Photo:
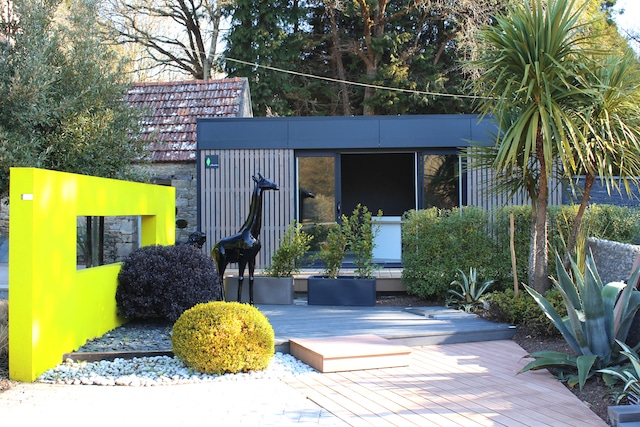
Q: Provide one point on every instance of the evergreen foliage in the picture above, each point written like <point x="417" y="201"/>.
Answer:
<point x="264" y="32"/>
<point x="504" y="307"/>
<point x="223" y="337"/>
<point x="61" y="93"/>
<point x="436" y="243"/>
<point x="407" y="45"/>
<point x="164" y="281"/>
<point x="292" y="247"/>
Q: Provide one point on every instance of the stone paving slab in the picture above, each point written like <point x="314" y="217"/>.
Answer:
<point x="248" y="403"/>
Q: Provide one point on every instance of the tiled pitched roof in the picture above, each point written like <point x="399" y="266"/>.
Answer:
<point x="171" y="126"/>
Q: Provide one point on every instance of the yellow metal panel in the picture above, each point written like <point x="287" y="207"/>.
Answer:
<point x="56" y="308"/>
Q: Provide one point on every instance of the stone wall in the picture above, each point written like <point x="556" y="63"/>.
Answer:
<point x="614" y="260"/>
<point x="120" y="238"/>
<point x="4" y="217"/>
<point x="183" y="177"/>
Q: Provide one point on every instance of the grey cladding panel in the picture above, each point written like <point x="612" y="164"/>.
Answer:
<point x="343" y="132"/>
<point x="485" y="131"/>
<point x="334" y="132"/>
<point x="241" y="133"/>
<point x="436" y="131"/>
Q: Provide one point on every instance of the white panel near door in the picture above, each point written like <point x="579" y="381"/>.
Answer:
<point x="388" y="241"/>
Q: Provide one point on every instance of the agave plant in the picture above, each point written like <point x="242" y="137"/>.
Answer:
<point x="470" y="295"/>
<point x="597" y="316"/>
<point x="629" y="374"/>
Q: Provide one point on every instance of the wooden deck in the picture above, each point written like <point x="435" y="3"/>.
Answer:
<point x="471" y="384"/>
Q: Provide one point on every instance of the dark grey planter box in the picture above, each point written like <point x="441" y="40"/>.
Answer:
<point x="341" y="291"/>
<point x="624" y="414"/>
<point x="266" y="290"/>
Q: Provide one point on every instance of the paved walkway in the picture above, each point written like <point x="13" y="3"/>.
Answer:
<point x="464" y="384"/>
<point x="458" y="384"/>
<point x="472" y="384"/>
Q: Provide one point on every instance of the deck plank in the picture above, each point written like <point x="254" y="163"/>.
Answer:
<point x="472" y="384"/>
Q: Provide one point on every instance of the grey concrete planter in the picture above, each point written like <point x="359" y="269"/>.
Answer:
<point x="266" y="290"/>
<point x="624" y="415"/>
<point x="341" y="291"/>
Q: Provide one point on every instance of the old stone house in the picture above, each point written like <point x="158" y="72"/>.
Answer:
<point x="170" y="129"/>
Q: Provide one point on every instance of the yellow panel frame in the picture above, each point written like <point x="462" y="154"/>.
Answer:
<point x="54" y="307"/>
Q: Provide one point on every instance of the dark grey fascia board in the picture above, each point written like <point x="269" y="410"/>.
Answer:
<point x="340" y="132"/>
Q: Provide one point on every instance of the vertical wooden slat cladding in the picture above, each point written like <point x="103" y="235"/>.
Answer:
<point x="226" y="195"/>
<point x="479" y="181"/>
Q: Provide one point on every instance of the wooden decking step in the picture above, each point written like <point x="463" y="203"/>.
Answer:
<point x="349" y="353"/>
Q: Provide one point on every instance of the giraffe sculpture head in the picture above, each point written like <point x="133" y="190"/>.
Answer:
<point x="265" y="183"/>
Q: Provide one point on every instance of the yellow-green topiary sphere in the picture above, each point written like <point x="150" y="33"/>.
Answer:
<point x="223" y="337"/>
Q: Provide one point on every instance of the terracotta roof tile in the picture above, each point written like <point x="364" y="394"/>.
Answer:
<point x="171" y="126"/>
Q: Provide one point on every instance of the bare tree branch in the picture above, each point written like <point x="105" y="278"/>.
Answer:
<point x="179" y="34"/>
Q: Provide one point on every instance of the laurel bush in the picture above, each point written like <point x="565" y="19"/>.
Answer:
<point x="504" y="307"/>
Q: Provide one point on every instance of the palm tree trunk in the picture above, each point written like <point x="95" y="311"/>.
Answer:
<point x="540" y="260"/>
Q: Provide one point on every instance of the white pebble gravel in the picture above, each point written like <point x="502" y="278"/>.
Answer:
<point x="160" y="370"/>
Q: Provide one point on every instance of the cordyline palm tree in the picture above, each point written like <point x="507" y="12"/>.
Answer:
<point x="532" y="79"/>
<point x="610" y="125"/>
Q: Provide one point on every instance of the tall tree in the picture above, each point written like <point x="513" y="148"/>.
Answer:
<point x="182" y="35"/>
<point x="531" y="71"/>
<point x="609" y="146"/>
<point x="265" y="33"/>
<point x="62" y="94"/>
<point x="356" y="47"/>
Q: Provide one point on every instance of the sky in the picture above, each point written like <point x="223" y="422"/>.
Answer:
<point x="630" y="20"/>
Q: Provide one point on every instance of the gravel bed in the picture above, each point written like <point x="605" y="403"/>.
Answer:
<point x="152" y="371"/>
<point x="136" y="335"/>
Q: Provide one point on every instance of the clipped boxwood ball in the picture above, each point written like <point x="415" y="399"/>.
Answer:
<point x="223" y="337"/>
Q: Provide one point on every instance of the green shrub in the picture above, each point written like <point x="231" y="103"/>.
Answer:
<point x="292" y="247"/>
<point x="616" y="223"/>
<point x="164" y="281"/>
<point x="223" y="337"/>
<point x="504" y="307"/>
<point x="436" y="243"/>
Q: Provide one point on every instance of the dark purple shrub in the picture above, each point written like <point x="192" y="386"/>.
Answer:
<point x="164" y="281"/>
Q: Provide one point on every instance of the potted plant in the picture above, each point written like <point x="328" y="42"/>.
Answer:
<point x="354" y="234"/>
<point x="276" y="285"/>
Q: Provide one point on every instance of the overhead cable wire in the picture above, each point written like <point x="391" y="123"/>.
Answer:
<point x="330" y="79"/>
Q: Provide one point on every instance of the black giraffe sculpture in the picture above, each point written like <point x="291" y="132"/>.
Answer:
<point x="243" y="246"/>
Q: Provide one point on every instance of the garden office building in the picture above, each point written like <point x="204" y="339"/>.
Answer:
<point x="325" y="166"/>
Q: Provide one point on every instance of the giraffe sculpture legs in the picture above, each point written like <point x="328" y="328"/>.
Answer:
<point x="241" y="268"/>
<point x="252" y="265"/>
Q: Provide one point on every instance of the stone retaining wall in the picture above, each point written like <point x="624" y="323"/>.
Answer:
<point x="181" y="176"/>
<point x="614" y="260"/>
